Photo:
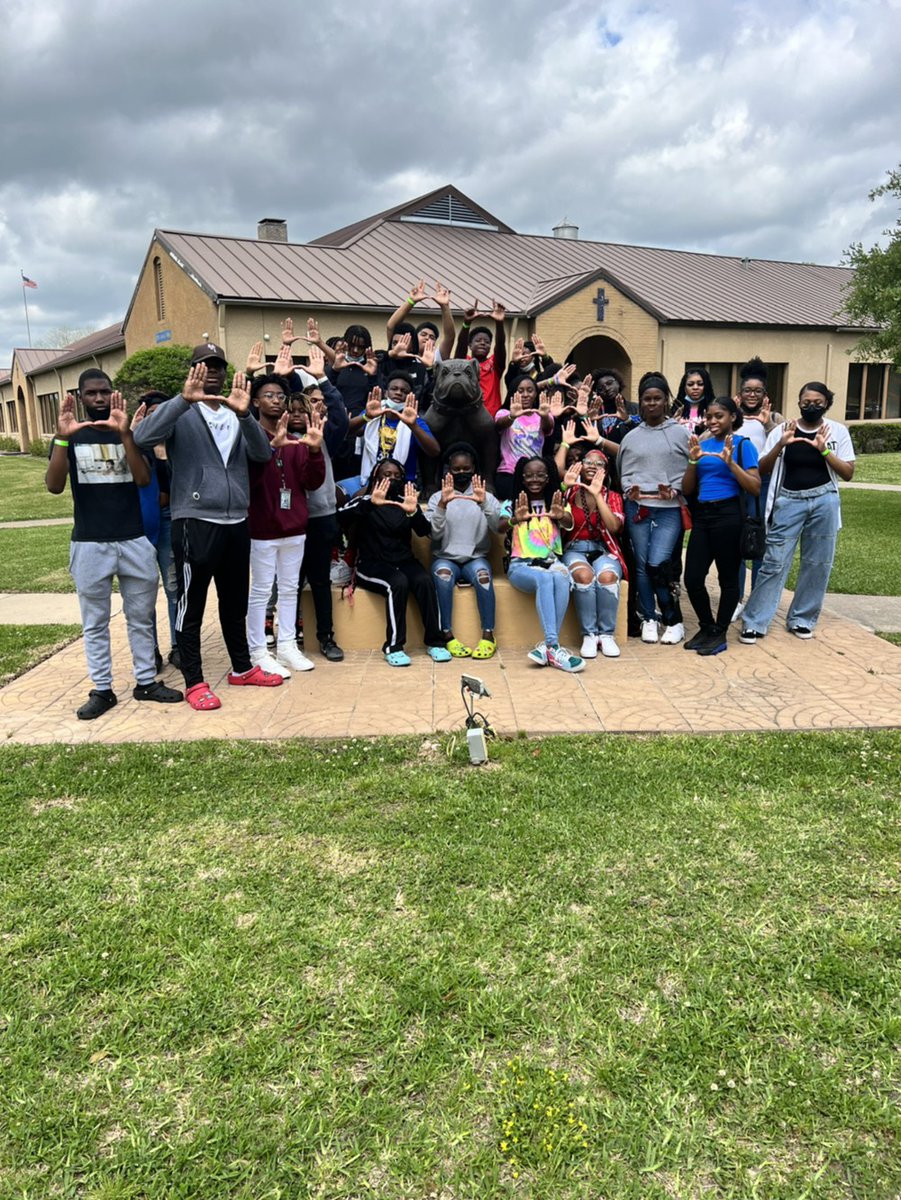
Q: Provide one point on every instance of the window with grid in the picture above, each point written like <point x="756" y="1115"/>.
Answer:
<point x="874" y="393"/>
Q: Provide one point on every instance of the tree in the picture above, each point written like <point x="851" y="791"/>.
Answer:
<point x="873" y="297"/>
<point x="63" y="336"/>
<point x="162" y="369"/>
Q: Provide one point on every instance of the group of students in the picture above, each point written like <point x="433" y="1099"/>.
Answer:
<point x="301" y="472"/>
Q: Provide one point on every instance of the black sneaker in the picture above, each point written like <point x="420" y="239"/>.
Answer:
<point x="157" y="691"/>
<point x="175" y="657"/>
<point x="714" y="643"/>
<point x="801" y="631"/>
<point x="750" y="637"/>
<point x="97" y="704"/>
<point x="331" y="650"/>
<point x="699" y="638"/>
<point x="270" y="630"/>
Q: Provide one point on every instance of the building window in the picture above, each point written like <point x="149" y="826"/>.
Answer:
<point x="48" y="411"/>
<point x="158" y="290"/>
<point x="726" y="379"/>
<point x="874" y="393"/>
<point x="13" y="416"/>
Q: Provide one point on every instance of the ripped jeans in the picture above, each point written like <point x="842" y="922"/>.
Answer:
<point x="597" y="604"/>
<point x="445" y="588"/>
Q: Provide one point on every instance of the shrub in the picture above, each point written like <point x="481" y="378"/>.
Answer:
<point x="874" y="437"/>
<point x="11" y="444"/>
<point x="38" y="448"/>
<point x="162" y="369"/>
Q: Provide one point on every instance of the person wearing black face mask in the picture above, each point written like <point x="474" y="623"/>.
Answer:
<point x="805" y="459"/>
<point x="382" y="519"/>
<point x="462" y="516"/>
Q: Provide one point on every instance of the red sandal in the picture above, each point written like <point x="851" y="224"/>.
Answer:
<point x="201" y="698"/>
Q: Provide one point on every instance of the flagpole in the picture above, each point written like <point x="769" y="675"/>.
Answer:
<point x="25" y="302"/>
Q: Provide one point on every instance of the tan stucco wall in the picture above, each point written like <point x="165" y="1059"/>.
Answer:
<point x="810" y="355"/>
<point x="189" y="311"/>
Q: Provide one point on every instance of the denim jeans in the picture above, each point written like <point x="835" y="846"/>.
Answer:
<point x="652" y="541"/>
<point x="550" y="587"/>
<point x="811" y="517"/>
<point x="596" y="603"/>
<point x="470" y="572"/>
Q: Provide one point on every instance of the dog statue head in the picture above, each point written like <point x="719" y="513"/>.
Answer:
<point x="456" y="384"/>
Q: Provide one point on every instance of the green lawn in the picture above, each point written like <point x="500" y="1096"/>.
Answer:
<point x="22" y="646"/>
<point x="599" y="967"/>
<point x="878" y="468"/>
<point x="868" y="558"/>
<point x="35" y="560"/>
<point x="23" y="496"/>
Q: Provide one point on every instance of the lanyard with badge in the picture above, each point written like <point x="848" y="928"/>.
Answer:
<point x="284" y="492"/>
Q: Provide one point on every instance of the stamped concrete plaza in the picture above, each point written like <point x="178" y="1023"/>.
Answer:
<point x="846" y="678"/>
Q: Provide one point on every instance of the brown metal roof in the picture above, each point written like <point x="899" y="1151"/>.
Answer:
<point x="33" y="362"/>
<point x="350" y="233"/>
<point x="526" y="272"/>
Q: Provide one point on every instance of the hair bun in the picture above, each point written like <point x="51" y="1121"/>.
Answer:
<point x="754" y="368"/>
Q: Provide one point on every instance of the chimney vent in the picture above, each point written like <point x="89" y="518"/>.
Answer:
<point x="567" y="230"/>
<point x="272" y="229"/>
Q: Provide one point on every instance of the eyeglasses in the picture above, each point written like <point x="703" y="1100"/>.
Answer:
<point x="271" y="396"/>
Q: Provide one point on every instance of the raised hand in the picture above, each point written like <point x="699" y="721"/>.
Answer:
<point x="519" y="350"/>
<point x="521" y="510"/>
<point x="565" y="373"/>
<point x="417" y="291"/>
<point x="573" y="475"/>
<point x="379" y="493"/>
<point x="289" y="337"/>
<point x="726" y="452"/>
<point x="315" y="431"/>
<point x="401" y="348"/>
<point x="370" y="365"/>
<point x="140" y="414"/>
<point x="118" y="417"/>
<point x="598" y="481"/>
<point x="582" y="401"/>
<point x="820" y="439"/>
<point x="569" y="433"/>
<point x="428" y="355"/>
<point x="410" y="501"/>
<point x="515" y="406"/>
<point x="622" y="412"/>
<point x="280" y="437"/>
<point x="544" y="403"/>
<point x="471" y="314"/>
<point x="374" y="404"/>
<point x="341" y="361"/>
<point x="498" y="311"/>
<point x="255" y="359"/>
<point x="478" y="489"/>
<point x="447" y="490"/>
<point x="538" y="344"/>
<point x="695" y="453"/>
<point x="788" y="434"/>
<point x="592" y="433"/>
<point x="194" y="385"/>
<point x="238" y="399"/>
<point x="557" y="510"/>
<point x="558" y="408"/>
<point x="284" y="361"/>
<point x="313" y="336"/>
<point x="316" y="365"/>
<point x="411" y="410"/>
<point x="442" y="296"/>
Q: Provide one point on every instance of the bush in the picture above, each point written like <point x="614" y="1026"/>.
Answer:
<point x="12" y="444"/>
<point x="39" y="448"/>
<point x="162" y="369"/>
<point x="874" y="437"/>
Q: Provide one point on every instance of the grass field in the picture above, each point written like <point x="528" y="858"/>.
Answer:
<point x="868" y="558"/>
<point x="23" y="496"/>
<point x="878" y="468"/>
<point x="22" y="646"/>
<point x="600" y="967"/>
<point x="35" y="560"/>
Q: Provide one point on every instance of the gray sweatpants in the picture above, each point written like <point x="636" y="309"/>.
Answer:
<point x="92" y="566"/>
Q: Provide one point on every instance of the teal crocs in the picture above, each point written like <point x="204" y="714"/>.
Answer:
<point x="397" y="658"/>
<point x="439" y="654"/>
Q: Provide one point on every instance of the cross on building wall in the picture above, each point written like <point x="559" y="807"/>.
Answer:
<point x="601" y="302"/>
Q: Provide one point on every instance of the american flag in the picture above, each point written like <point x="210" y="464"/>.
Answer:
<point x="26" y="282"/>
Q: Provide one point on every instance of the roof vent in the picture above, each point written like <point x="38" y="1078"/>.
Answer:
<point x="448" y="210"/>
<point x="567" y="230"/>
<point x="272" y="229"/>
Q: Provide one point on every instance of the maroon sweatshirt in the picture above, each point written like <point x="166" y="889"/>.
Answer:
<point x="300" y="471"/>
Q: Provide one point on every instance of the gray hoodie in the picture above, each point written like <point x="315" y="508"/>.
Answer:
<point x="202" y="485"/>
<point x="654" y="454"/>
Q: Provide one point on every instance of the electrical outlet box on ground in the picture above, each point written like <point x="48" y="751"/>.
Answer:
<point x="478" y="748"/>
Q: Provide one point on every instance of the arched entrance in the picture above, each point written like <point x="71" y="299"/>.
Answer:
<point x="600" y="351"/>
<point x="23" y="418"/>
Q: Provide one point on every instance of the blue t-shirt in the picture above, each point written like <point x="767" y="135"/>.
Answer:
<point x="715" y="479"/>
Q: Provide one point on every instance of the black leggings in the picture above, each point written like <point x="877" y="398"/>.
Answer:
<point x="395" y="581"/>
<point x="715" y="538"/>
<point x="322" y="534"/>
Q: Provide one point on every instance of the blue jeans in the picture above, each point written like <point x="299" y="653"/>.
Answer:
<point x="550" y="587"/>
<point x="811" y="517"/>
<point x="596" y="603"/>
<point x="652" y="540"/>
<point x="445" y="589"/>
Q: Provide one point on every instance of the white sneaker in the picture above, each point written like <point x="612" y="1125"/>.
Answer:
<point x="560" y="657"/>
<point x="339" y="573"/>
<point x="589" y="646"/>
<point x="739" y="609"/>
<point x="673" y="635"/>
<point x="289" y="656"/>
<point x="649" y="631"/>
<point x="608" y="646"/>
<point x="260" y="657"/>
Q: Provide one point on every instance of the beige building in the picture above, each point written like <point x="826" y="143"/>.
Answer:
<point x="635" y="308"/>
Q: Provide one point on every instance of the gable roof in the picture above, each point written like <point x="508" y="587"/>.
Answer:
<point x="444" y="206"/>
<point x="33" y="362"/>
<point x="369" y="265"/>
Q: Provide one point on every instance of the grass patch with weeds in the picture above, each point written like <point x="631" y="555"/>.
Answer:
<point x="878" y="468"/>
<point x="35" y="560"/>
<point x="894" y="638"/>
<point x="23" y="496"/>
<point x="23" y="646"/>
<point x="248" y="970"/>
<point x="868" y="556"/>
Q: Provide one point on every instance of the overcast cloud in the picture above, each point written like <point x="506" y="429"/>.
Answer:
<point x="755" y="128"/>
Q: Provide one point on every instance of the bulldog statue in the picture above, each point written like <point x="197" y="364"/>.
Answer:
<point x="456" y="414"/>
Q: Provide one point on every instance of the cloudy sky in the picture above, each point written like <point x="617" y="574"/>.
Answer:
<point x="753" y="128"/>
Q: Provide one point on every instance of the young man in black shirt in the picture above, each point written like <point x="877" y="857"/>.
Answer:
<point x="105" y="469"/>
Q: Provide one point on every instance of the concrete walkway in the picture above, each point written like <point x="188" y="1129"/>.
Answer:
<point x="846" y="678"/>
